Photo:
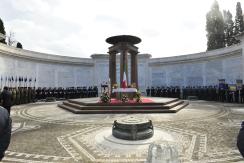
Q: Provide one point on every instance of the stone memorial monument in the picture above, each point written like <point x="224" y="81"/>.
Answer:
<point x="132" y="129"/>
<point x="123" y="45"/>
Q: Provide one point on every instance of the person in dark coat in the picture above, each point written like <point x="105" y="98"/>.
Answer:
<point x="5" y="131"/>
<point x="240" y="139"/>
<point x="6" y="99"/>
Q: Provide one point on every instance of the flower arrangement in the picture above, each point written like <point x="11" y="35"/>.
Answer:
<point x="115" y="86"/>
<point x="124" y="98"/>
<point x="138" y="96"/>
<point x="104" y="98"/>
<point x="133" y="85"/>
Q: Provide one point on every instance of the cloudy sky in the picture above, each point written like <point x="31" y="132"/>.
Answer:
<point x="79" y="27"/>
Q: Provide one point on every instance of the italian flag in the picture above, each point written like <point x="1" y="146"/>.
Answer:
<point x="124" y="82"/>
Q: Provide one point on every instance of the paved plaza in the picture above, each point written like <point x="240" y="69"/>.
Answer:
<point x="202" y="131"/>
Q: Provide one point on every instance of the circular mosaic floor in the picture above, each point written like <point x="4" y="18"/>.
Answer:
<point x="202" y="132"/>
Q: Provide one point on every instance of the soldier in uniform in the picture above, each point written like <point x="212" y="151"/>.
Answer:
<point x="29" y="95"/>
<point x="17" y="96"/>
<point x="148" y="91"/>
<point x="13" y="92"/>
<point x="25" y="95"/>
<point x="152" y="92"/>
<point x="242" y="94"/>
<point x="33" y="94"/>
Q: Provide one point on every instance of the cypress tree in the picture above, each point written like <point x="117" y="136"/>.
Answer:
<point x="2" y="30"/>
<point x="228" y="28"/>
<point x="239" y="24"/>
<point x="215" y="28"/>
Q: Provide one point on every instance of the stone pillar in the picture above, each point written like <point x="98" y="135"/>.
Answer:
<point x="123" y="65"/>
<point x="134" y="69"/>
<point x="112" y="67"/>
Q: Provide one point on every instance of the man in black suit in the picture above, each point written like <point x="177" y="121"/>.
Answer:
<point x="6" y="99"/>
<point x="5" y="131"/>
<point x="240" y="139"/>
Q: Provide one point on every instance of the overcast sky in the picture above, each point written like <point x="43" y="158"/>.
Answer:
<point x="79" y="27"/>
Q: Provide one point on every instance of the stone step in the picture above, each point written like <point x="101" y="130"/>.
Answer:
<point x="173" y="104"/>
<point x="120" y="107"/>
<point x="122" y="111"/>
<point x="179" y="107"/>
<point x="93" y="102"/>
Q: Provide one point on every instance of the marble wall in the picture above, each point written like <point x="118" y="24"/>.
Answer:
<point x="202" y="69"/>
<point x="49" y="70"/>
<point x="60" y="71"/>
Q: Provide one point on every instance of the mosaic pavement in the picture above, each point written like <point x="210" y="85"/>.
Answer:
<point x="202" y="132"/>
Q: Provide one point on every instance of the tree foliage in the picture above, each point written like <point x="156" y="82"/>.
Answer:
<point x="229" y="28"/>
<point x="10" y="39"/>
<point x="2" y="30"/>
<point x="215" y="28"/>
<point x="239" y="24"/>
<point x="19" y="45"/>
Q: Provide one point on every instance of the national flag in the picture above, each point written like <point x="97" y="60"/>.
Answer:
<point x="124" y="82"/>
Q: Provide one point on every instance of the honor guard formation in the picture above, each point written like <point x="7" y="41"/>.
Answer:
<point x="223" y="93"/>
<point x="23" y="91"/>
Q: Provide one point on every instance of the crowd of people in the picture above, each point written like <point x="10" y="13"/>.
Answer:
<point x="208" y="93"/>
<point x="163" y="92"/>
<point x="24" y="95"/>
<point x="215" y="93"/>
<point x="66" y="93"/>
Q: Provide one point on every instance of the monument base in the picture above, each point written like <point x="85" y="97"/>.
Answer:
<point x="132" y="129"/>
<point x="150" y="105"/>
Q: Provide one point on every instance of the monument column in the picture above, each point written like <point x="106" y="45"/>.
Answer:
<point x="134" y="68"/>
<point x="123" y="65"/>
<point x="112" y="67"/>
<point x="123" y="44"/>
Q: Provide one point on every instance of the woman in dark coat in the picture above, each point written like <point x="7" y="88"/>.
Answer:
<point x="240" y="139"/>
<point x="5" y="131"/>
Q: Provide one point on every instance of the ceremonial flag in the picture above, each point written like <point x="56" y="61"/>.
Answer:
<point x="124" y="82"/>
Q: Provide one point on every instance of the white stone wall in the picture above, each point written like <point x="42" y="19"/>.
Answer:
<point x="202" y="69"/>
<point x="49" y="70"/>
<point x="60" y="71"/>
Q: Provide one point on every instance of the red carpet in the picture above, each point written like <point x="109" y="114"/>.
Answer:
<point x="143" y="100"/>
